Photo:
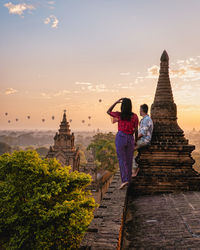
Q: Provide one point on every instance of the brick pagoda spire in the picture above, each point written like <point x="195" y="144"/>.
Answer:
<point x="64" y="125"/>
<point x="164" y="110"/>
<point x="63" y="148"/>
<point x="165" y="165"/>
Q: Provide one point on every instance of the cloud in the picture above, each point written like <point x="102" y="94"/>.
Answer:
<point x="178" y="72"/>
<point x="47" y="20"/>
<point x="137" y="81"/>
<point x="83" y="83"/>
<point x="51" y="2"/>
<point x="180" y="61"/>
<point x="186" y="70"/>
<point x="130" y="85"/>
<point x="185" y="95"/>
<point x="62" y="92"/>
<point x="18" y="9"/>
<point x="153" y="71"/>
<point x="89" y="87"/>
<point x="196" y="69"/>
<point x="97" y="88"/>
<point x="125" y="74"/>
<point x="10" y="91"/>
<point x="100" y="88"/>
<point x="46" y="96"/>
<point x="59" y="93"/>
<point x="52" y="20"/>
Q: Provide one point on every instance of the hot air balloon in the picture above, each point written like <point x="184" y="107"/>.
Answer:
<point x="8" y="121"/>
<point x="89" y="117"/>
<point x="89" y="124"/>
<point x="16" y="119"/>
<point x="83" y="121"/>
<point x="100" y="100"/>
<point x="43" y="120"/>
<point x="53" y="117"/>
<point x="28" y="117"/>
<point x="70" y="120"/>
<point x="6" y="113"/>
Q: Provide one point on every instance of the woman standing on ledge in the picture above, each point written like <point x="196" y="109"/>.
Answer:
<point x="124" y="140"/>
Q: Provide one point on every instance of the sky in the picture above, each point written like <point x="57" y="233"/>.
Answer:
<point x="69" y="54"/>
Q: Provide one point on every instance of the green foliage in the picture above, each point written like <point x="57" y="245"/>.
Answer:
<point x="104" y="150"/>
<point x="16" y="148"/>
<point x="42" y="204"/>
<point x="83" y="160"/>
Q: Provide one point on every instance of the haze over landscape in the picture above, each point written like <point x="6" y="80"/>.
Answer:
<point x="58" y="55"/>
<point x="74" y="174"/>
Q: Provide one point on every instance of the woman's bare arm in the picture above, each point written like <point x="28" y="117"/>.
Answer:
<point x="114" y="104"/>
<point x="114" y="119"/>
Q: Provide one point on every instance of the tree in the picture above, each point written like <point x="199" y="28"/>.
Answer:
<point x="42" y="151"/>
<point x="4" y="148"/>
<point x="104" y="151"/>
<point x="42" y="204"/>
<point x="83" y="160"/>
<point x="16" y="148"/>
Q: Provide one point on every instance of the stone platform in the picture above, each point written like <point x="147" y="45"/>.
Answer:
<point x="105" y="230"/>
<point x="165" y="221"/>
<point x="165" y="169"/>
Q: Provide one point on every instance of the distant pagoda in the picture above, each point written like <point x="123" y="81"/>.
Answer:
<point x="63" y="148"/>
<point x="165" y="165"/>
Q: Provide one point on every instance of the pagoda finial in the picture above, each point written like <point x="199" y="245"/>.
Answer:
<point x="64" y="125"/>
<point x="64" y="116"/>
<point x="163" y="107"/>
<point x="164" y="57"/>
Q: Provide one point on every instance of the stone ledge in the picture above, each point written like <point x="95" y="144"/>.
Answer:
<point x="105" y="230"/>
<point x="164" y="221"/>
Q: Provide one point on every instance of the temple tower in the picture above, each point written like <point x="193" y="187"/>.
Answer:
<point x="163" y="109"/>
<point x="63" y="148"/>
<point x="165" y="165"/>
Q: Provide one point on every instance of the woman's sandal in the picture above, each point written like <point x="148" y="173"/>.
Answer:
<point x="134" y="175"/>
<point x="123" y="185"/>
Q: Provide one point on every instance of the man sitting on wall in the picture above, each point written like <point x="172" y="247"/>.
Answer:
<point x="144" y="133"/>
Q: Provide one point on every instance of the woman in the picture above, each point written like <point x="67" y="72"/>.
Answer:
<point x="124" y="140"/>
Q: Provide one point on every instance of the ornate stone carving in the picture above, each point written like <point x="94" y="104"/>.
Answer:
<point x="64" y="149"/>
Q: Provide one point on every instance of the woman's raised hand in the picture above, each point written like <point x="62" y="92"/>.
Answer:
<point x="120" y="100"/>
<point x="111" y="107"/>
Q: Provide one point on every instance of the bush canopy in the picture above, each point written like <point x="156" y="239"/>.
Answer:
<point x="42" y="204"/>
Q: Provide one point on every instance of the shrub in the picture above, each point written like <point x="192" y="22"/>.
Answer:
<point x="104" y="151"/>
<point x="42" y="204"/>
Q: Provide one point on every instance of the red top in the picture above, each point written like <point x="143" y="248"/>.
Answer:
<point x="124" y="125"/>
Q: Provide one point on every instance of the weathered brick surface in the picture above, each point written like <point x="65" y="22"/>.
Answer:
<point x="165" y="221"/>
<point x="166" y="164"/>
<point x="105" y="229"/>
